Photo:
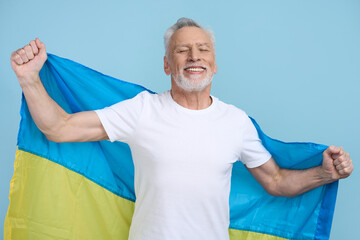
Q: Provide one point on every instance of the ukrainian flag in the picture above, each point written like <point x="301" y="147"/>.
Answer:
<point x="78" y="191"/>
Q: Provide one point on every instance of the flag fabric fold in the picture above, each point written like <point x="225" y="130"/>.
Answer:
<point x="86" y="190"/>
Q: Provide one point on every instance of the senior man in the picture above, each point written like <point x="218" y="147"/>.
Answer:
<point x="183" y="141"/>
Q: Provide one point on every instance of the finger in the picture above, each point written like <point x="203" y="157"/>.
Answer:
<point x="346" y="171"/>
<point x="339" y="167"/>
<point x="343" y="165"/>
<point x="38" y="42"/>
<point x="340" y="160"/>
<point x="341" y="151"/>
<point x="16" y="58"/>
<point x="342" y="157"/>
<point x="29" y="52"/>
<point x="22" y="54"/>
<point x="332" y="150"/>
<point x="41" y="46"/>
<point x="34" y="47"/>
<point x="337" y="151"/>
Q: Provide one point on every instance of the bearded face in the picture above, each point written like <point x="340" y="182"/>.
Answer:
<point x="194" y="79"/>
<point x="191" y="59"/>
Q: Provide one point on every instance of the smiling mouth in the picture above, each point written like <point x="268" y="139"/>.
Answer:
<point x="195" y="69"/>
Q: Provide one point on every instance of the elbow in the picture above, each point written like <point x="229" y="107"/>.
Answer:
<point x="273" y="185"/>
<point x="278" y="185"/>
<point x="273" y="191"/>
<point x="278" y="188"/>
<point x="53" y="138"/>
<point x="277" y="191"/>
<point x="55" y="132"/>
<point x="282" y="194"/>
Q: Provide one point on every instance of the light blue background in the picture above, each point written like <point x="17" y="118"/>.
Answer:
<point x="292" y="65"/>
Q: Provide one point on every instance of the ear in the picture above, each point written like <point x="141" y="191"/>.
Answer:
<point x="215" y="68"/>
<point x="166" y="66"/>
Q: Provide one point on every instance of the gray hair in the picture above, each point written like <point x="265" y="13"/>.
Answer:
<point x="184" y="22"/>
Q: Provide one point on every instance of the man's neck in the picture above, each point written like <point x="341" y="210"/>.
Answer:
<point x="195" y="100"/>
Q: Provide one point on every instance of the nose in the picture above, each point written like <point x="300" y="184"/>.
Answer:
<point x="194" y="55"/>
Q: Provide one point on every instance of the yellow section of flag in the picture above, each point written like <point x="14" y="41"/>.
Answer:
<point x="66" y="204"/>
<point x="245" y="235"/>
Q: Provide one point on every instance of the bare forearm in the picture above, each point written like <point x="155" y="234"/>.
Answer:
<point x="48" y="116"/>
<point x="336" y="164"/>
<point x="51" y="119"/>
<point x="291" y="183"/>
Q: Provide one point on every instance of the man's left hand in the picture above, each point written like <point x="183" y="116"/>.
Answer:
<point x="337" y="163"/>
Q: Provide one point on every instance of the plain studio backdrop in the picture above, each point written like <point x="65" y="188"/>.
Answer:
<point x="292" y="65"/>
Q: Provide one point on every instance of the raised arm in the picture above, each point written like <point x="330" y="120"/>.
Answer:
<point x="49" y="117"/>
<point x="290" y="183"/>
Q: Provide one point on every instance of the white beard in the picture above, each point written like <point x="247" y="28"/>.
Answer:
<point x="193" y="83"/>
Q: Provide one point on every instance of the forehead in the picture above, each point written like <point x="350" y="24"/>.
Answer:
<point x="190" y="35"/>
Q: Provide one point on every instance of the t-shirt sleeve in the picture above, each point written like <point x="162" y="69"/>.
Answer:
<point x="253" y="153"/>
<point x="120" y="120"/>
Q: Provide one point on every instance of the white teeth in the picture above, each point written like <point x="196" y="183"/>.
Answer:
<point x="195" y="69"/>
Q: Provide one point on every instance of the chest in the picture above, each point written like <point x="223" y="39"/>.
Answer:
<point x="194" y="141"/>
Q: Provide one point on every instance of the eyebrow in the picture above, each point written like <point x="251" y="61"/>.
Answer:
<point x="188" y="45"/>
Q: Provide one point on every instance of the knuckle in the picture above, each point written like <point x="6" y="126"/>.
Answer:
<point x="27" y="48"/>
<point x="13" y="54"/>
<point x="17" y="58"/>
<point x="21" y="52"/>
<point x="348" y="170"/>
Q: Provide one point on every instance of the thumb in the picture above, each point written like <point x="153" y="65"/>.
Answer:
<point x="42" y="48"/>
<point x="332" y="150"/>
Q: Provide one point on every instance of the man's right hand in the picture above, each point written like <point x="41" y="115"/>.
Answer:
<point x="28" y="61"/>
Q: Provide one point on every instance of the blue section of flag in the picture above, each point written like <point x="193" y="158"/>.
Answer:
<point x="300" y="217"/>
<point x="78" y="88"/>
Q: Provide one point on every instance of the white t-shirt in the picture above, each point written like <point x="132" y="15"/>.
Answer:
<point x="183" y="161"/>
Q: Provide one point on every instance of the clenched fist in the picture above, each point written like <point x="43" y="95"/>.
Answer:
<point x="337" y="163"/>
<point x="27" y="61"/>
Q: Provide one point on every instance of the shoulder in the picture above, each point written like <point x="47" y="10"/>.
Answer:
<point x="149" y="100"/>
<point x="144" y="94"/>
<point x="141" y="97"/>
<point x="231" y="110"/>
<point x="130" y="102"/>
<point x="151" y="96"/>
